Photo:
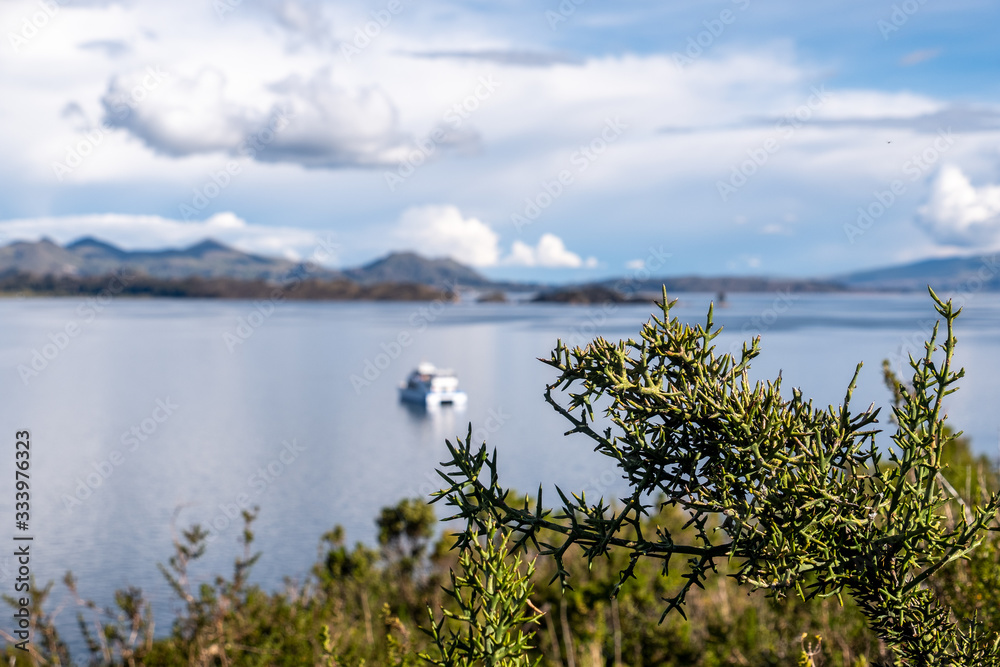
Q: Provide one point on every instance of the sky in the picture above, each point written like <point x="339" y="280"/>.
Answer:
<point x="558" y="141"/>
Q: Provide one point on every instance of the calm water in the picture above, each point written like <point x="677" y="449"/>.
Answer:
<point x="150" y="394"/>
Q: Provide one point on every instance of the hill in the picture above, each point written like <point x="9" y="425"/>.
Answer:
<point x="92" y="257"/>
<point x="412" y="268"/>
<point x="942" y="274"/>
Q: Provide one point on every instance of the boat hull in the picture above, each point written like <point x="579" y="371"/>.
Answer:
<point x="421" y="397"/>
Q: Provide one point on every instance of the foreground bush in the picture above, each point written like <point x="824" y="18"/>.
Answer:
<point x="365" y="606"/>
<point x="797" y="500"/>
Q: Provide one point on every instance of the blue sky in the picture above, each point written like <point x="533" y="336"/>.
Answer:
<point x="554" y="141"/>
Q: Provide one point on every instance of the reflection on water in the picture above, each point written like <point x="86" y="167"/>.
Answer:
<point x="442" y="419"/>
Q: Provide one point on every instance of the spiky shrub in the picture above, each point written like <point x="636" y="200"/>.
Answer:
<point x="491" y="594"/>
<point x="796" y="499"/>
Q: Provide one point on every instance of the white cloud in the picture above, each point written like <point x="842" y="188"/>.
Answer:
<point x="550" y="252"/>
<point x="135" y="232"/>
<point x="635" y="264"/>
<point x="313" y="122"/>
<point x="442" y="231"/>
<point x="188" y="116"/>
<point x="960" y="214"/>
<point x="333" y="126"/>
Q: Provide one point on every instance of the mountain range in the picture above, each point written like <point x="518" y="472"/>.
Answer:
<point x="950" y="273"/>
<point x="88" y="257"/>
<point x="91" y="257"/>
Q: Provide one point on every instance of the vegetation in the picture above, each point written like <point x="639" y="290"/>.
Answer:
<point x="794" y="498"/>
<point x="584" y="294"/>
<point x="365" y="606"/>
<point x="778" y="531"/>
<point x="141" y="285"/>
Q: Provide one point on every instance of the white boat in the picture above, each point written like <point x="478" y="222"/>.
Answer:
<point x="432" y="386"/>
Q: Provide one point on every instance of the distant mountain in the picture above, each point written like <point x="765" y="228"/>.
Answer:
<point x="92" y="248"/>
<point x="942" y="274"/>
<point x="209" y="259"/>
<point x="92" y="257"/>
<point x="41" y="258"/>
<point x="409" y="267"/>
<point x="722" y="284"/>
<point x="981" y="272"/>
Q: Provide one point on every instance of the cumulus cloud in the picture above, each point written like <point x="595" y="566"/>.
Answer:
<point x="188" y="116"/>
<point x="311" y="122"/>
<point x="332" y="126"/>
<point x="960" y="214"/>
<point x="143" y="232"/>
<point x="442" y="231"/>
<point x="550" y="252"/>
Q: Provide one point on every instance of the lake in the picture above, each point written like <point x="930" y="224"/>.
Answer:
<point x="157" y="408"/>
